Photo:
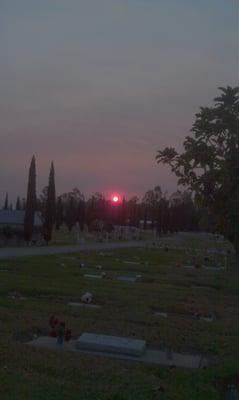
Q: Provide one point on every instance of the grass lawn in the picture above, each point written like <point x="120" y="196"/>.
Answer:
<point x="48" y="283"/>
<point x="65" y="237"/>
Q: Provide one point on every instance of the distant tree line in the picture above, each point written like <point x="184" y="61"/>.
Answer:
<point x="156" y="211"/>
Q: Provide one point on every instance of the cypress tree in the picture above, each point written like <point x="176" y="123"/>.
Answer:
<point x="50" y="213"/>
<point x="18" y="204"/>
<point x="6" y="202"/>
<point x="59" y="213"/>
<point x="31" y="202"/>
<point x="23" y="204"/>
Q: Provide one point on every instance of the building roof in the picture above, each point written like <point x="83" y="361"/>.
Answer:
<point x="16" y="217"/>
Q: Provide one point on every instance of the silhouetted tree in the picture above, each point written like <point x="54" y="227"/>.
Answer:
<point x="123" y="212"/>
<point x="209" y="165"/>
<point x="70" y="216"/>
<point x="31" y="202"/>
<point x="23" y="204"/>
<point x="50" y="213"/>
<point x="81" y="214"/>
<point x="5" y="207"/>
<point x="133" y="211"/>
<point x="18" y="204"/>
<point x="151" y="201"/>
<point x="59" y="213"/>
<point x="41" y="201"/>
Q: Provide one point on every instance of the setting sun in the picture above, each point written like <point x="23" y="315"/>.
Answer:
<point x="115" y="198"/>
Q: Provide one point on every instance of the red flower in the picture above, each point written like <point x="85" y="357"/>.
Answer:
<point x="53" y="333"/>
<point x="55" y="323"/>
<point x="68" y="335"/>
<point x="51" y="320"/>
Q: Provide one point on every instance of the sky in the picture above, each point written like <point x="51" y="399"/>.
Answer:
<point x="98" y="86"/>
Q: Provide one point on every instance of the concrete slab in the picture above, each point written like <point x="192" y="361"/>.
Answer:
<point x="206" y="318"/>
<point x="194" y="317"/>
<point x="93" y="276"/>
<point x="18" y="298"/>
<point x="204" y="267"/>
<point x="132" y="262"/>
<point x="151" y="355"/>
<point x="75" y="304"/>
<point x="161" y="314"/>
<point x="201" y="287"/>
<point x="111" y="344"/>
<point x="131" y="279"/>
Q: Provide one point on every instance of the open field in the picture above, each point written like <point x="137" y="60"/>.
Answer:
<point x="34" y="288"/>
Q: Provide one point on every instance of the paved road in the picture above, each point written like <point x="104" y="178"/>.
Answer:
<point x="14" y="252"/>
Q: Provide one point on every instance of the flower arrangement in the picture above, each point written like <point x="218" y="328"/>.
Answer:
<point x="58" y="330"/>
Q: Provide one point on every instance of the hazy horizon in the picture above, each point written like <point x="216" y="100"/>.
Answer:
<point x="98" y="86"/>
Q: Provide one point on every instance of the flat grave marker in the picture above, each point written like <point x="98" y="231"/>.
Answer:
<point x="127" y="279"/>
<point x="76" y="304"/>
<point x="215" y="268"/>
<point x="161" y="314"/>
<point x="196" y="317"/>
<point x="111" y="344"/>
<point x="93" y="276"/>
<point x="132" y="262"/>
<point x="150" y="355"/>
<point x="204" y="268"/>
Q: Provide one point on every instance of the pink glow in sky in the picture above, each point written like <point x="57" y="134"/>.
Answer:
<point x="99" y="87"/>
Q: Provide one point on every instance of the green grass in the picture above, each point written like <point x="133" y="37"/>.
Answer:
<point x="128" y="310"/>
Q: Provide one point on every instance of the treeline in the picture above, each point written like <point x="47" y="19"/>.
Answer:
<point x="156" y="211"/>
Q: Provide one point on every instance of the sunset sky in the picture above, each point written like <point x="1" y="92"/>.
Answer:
<point x="99" y="85"/>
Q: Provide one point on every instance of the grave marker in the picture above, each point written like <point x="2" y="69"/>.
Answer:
<point x="93" y="276"/>
<point x="75" y="304"/>
<point x="111" y="344"/>
<point x="131" y="279"/>
<point x="150" y="355"/>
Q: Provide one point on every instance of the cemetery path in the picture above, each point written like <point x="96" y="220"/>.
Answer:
<point x="14" y="252"/>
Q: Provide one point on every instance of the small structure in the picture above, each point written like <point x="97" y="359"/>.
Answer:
<point x="12" y="227"/>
